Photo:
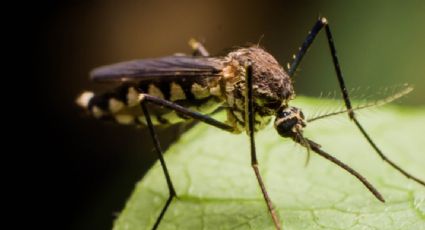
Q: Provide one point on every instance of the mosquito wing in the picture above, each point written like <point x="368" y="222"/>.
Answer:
<point x="147" y="69"/>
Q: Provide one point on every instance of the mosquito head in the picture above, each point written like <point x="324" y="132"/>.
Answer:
<point x="289" y="122"/>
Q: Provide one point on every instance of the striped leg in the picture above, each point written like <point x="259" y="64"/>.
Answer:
<point x="250" y="116"/>
<point x="320" y="24"/>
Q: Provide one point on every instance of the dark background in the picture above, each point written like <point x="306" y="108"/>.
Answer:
<point x="86" y="169"/>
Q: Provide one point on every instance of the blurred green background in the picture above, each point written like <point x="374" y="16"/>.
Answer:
<point x="380" y="43"/>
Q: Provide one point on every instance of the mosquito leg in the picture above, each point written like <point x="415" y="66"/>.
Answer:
<point x="172" y="191"/>
<point x="146" y="98"/>
<point x="351" y="113"/>
<point x="380" y="153"/>
<point x="250" y="116"/>
<point x="198" y="48"/>
<point x="184" y="111"/>
<point x="323" y="23"/>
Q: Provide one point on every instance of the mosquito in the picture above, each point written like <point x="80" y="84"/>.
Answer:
<point x="248" y="83"/>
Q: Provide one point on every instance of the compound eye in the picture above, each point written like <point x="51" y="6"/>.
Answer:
<point x="285" y="113"/>
<point x="284" y="126"/>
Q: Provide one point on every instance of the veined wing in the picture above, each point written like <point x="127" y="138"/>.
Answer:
<point x="148" y="69"/>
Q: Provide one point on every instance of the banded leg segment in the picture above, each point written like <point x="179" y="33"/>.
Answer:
<point x="250" y="116"/>
<point x="318" y="26"/>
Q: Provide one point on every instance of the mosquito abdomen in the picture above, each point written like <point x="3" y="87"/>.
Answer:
<point x="122" y="105"/>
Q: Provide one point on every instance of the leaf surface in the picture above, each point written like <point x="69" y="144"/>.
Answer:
<point x="217" y="187"/>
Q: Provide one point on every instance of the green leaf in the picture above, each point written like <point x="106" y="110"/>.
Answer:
<point x="217" y="188"/>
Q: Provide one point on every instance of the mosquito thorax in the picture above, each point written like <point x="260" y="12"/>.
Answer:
<point x="289" y="122"/>
<point x="272" y="86"/>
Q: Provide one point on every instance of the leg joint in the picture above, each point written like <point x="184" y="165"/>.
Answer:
<point x="351" y="114"/>
<point x="323" y="20"/>
<point x="141" y="97"/>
